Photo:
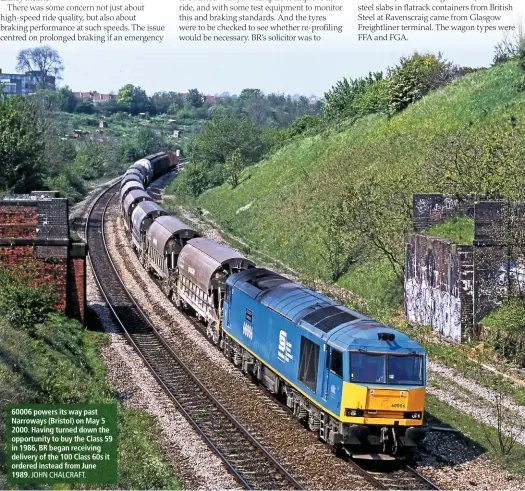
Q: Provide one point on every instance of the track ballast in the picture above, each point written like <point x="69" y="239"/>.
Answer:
<point x="250" y="463"/>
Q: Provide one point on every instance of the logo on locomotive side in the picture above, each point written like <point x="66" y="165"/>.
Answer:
<point x="247" y="330"/>
<point x="284" y="352"/>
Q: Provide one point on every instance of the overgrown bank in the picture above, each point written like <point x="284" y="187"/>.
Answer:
<point x="50" y="359"/>
<point x="336" y="205"/>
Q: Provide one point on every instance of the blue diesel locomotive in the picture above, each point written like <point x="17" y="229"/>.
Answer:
<point x="356" y="382"/>
<point x="359" y="384"/>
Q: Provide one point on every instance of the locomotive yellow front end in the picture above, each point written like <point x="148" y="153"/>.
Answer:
<point x="383" y="400"/>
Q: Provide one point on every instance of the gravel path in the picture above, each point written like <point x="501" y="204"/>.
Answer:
<point x="473" y="386"/>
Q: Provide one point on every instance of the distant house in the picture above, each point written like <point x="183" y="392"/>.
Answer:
<point x="102" y="124"/>
<point x="23" y="84"/>
<point x="94" y="96"/>
<point x="78" y="133"/>
<point x="176" y="133"/>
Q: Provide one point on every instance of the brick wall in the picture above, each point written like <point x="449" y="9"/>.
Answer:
<point x="76" y="286"/>
<point x="34" y="236"/>
<point x="18" y="221"/>
<point x="49" y="270"/>
<point x="433" y="284"/>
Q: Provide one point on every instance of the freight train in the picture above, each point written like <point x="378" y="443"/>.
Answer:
<point x="360" y="385"/>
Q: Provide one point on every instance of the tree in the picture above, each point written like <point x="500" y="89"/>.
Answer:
<point x="21" y="146"/>
<point x="340" y="98"/>
<point x="224" y="134"/>
<point x="195" y="98"/>
<point x="416" y="76"/>
<point x="509" y="47"/>
<point x="339" y="241"/>
<point x="148" y="142"/>
<point x="43" y="61"/>
<point x="482" y="161"/>
<point x="234" y="167"/>
<point x="133" y="99"/>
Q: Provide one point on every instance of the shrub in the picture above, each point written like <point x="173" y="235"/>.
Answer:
<point x="416" y="76"/>
<point x="21" y="304"/>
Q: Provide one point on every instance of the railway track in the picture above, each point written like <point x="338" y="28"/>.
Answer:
<point x="249" y="462"/>
<point x="405" y="478"/>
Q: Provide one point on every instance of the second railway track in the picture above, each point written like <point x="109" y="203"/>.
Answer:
<point x="251" y="464"/>
<point x="405" y="478"/>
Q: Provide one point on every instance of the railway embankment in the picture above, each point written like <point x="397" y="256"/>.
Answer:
<point x="461" y="397"/>
<point x="332" y="209"/>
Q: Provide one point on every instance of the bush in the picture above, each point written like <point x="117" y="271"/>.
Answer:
<point x="507" y="329"/>
<point x="416" y="76"/>
<point x="23" y="305"/>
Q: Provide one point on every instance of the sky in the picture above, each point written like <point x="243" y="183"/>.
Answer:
<point x="308" y="68"/>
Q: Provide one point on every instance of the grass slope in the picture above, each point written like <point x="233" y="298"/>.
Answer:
<point x="458" y="230"/>
<point x="59" y="364"/>
<point x="277" y="207"/>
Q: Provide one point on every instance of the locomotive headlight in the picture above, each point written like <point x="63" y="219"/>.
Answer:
<point x="416" y="415"/>
<point x="354" y="413"/>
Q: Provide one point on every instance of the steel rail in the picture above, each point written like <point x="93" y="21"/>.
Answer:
<point x="252" y="465"/>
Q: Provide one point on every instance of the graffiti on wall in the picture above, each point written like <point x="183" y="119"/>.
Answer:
<point x="432" y="285"/>
<point x="433" y="307"/>
<point x="511" y="274"/>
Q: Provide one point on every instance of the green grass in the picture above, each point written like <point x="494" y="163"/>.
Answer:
<point x="458" y="230"/>
<point x="287" y="190"/>
<point x="60" y="363"/>
<point x="477" y="432"/>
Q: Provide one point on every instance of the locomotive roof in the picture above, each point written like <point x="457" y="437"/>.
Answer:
<point x="164" y="228"/>
<point x="364" y="335"/>
<point x="200" y="258"/>
<point x="323" y="317"/>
